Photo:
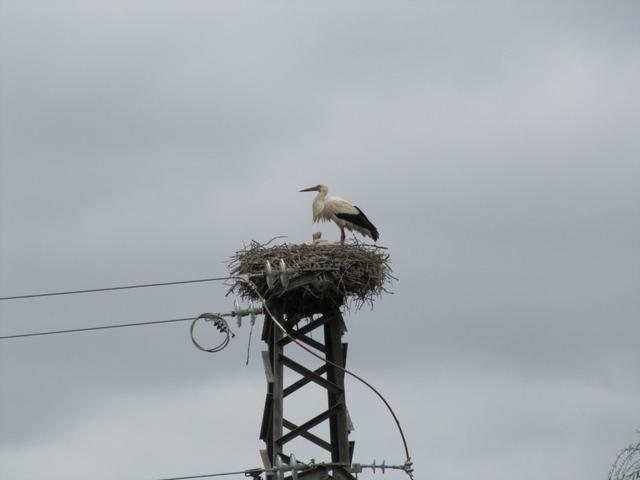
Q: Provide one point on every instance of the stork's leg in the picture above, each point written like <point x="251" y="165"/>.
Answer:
<point x="342" y="236"/>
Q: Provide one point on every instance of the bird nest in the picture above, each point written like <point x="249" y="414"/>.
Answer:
<point x="351" y="274"/>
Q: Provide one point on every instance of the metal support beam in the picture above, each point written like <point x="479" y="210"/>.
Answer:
<point x="277" y="405"/>
<point x="308" y="425"/>
<point x="308" y="435"/>
<point x="303" y="381"/>
<point x="306" y="329"/>
<point x="311" y="342"/>
<point x="305" y="372"/>
<point x="338" y="423"/>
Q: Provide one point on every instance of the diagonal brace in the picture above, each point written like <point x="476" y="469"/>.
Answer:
<point x="308" y="435"/>
<point x="305" y="372"/>
<point x="304" y="330"/>
<point x="308" y="425"/>
<point x="303" y="381"/>
<point x="311" y="342"/>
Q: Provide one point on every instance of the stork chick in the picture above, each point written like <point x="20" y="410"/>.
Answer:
<point x="317" y="240"/>
<point x="343" y="213"/>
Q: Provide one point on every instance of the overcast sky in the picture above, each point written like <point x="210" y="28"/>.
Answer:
<point x="495" y="146"/>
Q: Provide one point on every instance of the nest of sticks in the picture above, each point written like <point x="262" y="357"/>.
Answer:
<point x="350" y="274"/>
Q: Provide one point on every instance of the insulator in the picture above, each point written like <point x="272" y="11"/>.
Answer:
<point x="269" y="274"/>
<point x="408" y="467"/>
<point x="217" y="320"/>
<point x="284" y="274"/>
<point x="221" y="328"/>
<point x="294" y="467"/>
<point x="237" y="313"/>
<point x="279" y="470"/>
<point x="252" y="311"/>
<point x="252" y="314"/>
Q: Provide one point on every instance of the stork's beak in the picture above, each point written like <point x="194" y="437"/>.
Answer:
<point x="310" y="189"/>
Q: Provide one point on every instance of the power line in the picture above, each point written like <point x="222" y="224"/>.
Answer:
<point x="296" y="467"/>
<point x="304" y="467"/>
<point x="243" y="472"/>
<point x="126" y="287"/>
<point x="105" y="327"/>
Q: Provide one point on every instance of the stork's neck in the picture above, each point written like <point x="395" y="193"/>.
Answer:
<point x="322" y="194"/>
<point x="318" y="203"/>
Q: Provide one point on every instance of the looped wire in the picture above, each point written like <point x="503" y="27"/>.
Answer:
<point x="220" y="323"/>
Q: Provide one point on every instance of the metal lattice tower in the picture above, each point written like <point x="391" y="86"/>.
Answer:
<point x="277" y="430"/>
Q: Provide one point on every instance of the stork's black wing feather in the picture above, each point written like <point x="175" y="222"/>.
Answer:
<point x="361" y="220"/>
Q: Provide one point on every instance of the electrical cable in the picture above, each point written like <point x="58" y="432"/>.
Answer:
<point x="249" y="343"/>
<point x="222" y="326"/>
<point x="104" y="327"/>
<point x="299" y="467"/>
<point x="243" y="472"/>
<point x="357" y="377"/>
<point x="126" y="287"/>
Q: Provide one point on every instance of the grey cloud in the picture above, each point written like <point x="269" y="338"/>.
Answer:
<point x="494" y="145"/>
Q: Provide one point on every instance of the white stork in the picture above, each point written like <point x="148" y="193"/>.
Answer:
<point x="343" y="213"/>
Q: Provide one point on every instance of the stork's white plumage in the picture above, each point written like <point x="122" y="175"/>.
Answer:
<point x="343" y="213"/>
